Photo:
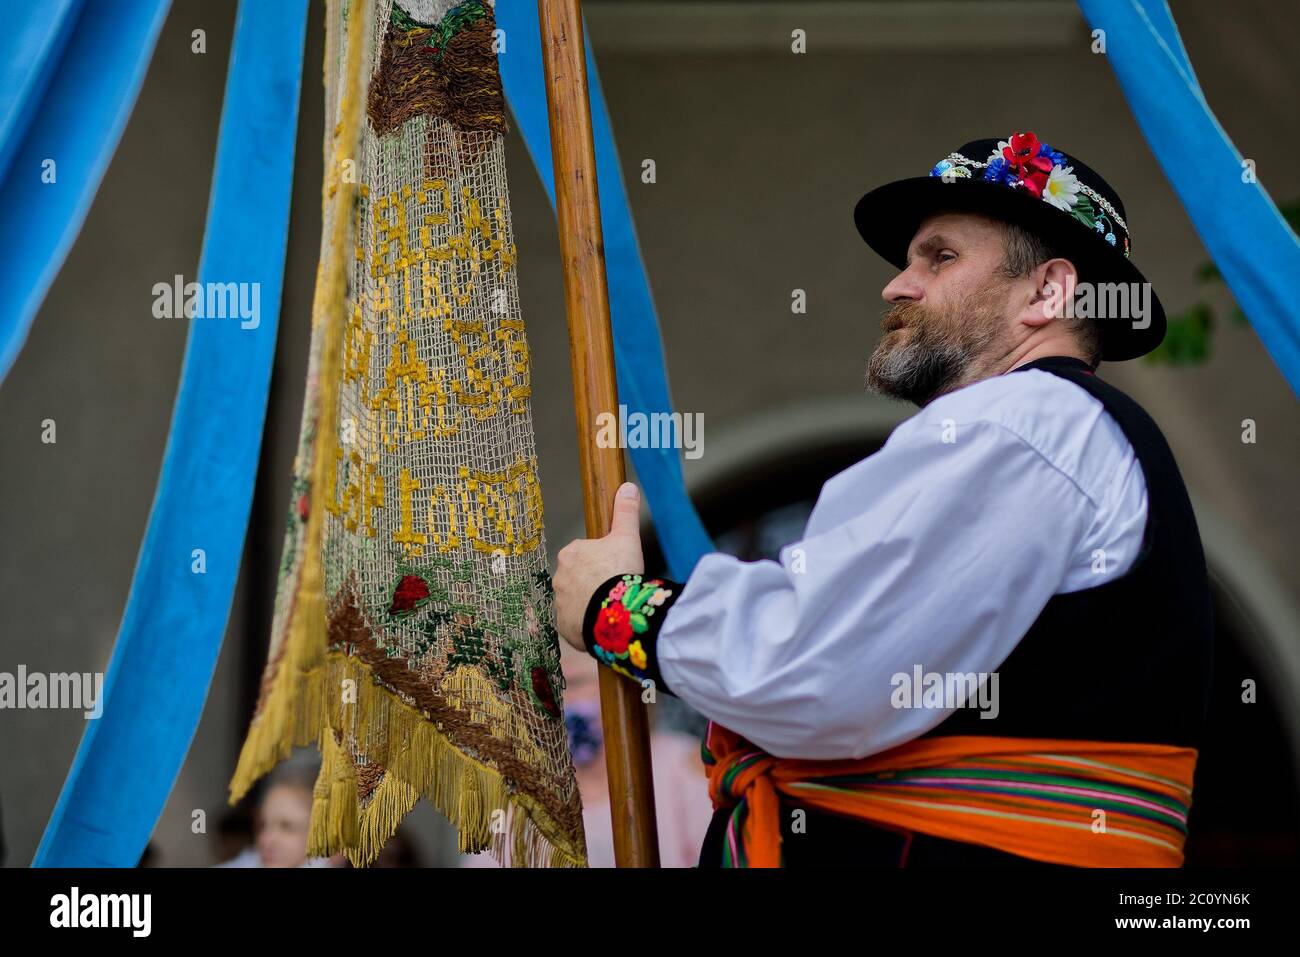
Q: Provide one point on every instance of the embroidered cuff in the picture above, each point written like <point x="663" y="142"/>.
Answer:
<point x="621" y="626"/>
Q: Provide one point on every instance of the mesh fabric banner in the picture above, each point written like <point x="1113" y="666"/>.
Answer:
<point x="413" y="636"/>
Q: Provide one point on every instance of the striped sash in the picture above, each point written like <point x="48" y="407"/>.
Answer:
<point x="1082" y="803"/>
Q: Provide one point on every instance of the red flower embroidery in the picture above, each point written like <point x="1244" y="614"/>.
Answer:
<point x="542" y="689"/>
<point x="613" y="628"/>
<point x="303" y="506"/>
<point x="411" y="590"/>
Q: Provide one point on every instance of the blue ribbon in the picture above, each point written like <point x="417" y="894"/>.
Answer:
<point x="638" y="347"/>
<point x="70" y="72"/>
<point x="1256" y="251"/>
<point x="171" y="634"/>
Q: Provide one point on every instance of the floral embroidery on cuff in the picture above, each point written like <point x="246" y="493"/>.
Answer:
<point x="622" y="625"/>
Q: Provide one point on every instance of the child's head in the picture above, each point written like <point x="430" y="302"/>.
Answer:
<point x="283" y="816"/>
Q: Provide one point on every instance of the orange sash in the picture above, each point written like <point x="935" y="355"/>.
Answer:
<point x="1082" y="803"/>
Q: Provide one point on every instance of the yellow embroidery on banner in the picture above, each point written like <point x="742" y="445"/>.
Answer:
<point x="363" y="490"/>
<point x="494" y="512"/>
<point x="420" y="285"/>
<point x="356" y="353"/>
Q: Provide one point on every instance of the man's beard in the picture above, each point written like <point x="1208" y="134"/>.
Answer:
<point x="940" y="350"/>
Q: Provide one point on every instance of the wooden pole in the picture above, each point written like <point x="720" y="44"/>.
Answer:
<point x="591" y="355"/>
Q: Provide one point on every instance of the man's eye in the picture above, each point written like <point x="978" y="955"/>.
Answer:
<point x="945" y="256"/>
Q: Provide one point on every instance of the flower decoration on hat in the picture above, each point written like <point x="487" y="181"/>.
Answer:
<point x="949" y="170"/>
<point x="1025" y="159"/>
<point x="1024" y="162"/>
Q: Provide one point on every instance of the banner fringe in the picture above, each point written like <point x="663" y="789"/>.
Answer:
<point x="421" y="762"/>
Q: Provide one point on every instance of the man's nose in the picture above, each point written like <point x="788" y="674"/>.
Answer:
<point x="903" y="288"/>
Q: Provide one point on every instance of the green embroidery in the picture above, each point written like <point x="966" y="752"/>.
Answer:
<point x="455" y="20"/>
<point x="518" y="647"/>
<point x="467" y="648"/>
<point x="512" y="598"/>
<point x="502" y="672"/>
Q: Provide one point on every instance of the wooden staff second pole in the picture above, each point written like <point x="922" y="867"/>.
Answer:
<point x="591" y="355"/>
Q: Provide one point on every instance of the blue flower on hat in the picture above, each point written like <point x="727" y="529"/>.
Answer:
<point x="999" y="172"/>
<point x="1056" y="156"/>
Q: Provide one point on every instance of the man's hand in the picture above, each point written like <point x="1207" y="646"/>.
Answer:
<point x="583" y="565"/>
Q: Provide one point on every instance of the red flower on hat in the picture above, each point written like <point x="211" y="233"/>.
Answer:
<point x="1023" y="159"/>
<point x="1021" y="148"/>
<point x="1036" y="182"/>
<point x="613" y="627"/>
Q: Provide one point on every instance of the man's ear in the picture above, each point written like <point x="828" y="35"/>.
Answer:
<point x="1054" y="285"/>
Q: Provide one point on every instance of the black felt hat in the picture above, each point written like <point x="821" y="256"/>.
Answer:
<point x="1050" y="193"/>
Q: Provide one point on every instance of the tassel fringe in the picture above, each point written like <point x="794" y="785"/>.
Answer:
<point x="336" y="791"/>
<point x="421" y="762"/>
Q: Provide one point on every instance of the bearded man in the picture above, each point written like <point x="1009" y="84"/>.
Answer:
<point x="993" y="644"/>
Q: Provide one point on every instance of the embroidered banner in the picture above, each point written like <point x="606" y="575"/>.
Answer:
<point x="413" y="635"/>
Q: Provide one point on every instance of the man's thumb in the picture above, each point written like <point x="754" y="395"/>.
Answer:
<point x="627" y="511"/>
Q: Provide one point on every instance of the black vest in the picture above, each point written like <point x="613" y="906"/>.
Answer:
<point x="1127" y="660"/>
<point x="1130" y="659"/>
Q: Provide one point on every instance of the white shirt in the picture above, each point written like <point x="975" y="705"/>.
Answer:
<point x="940" y="550"/>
